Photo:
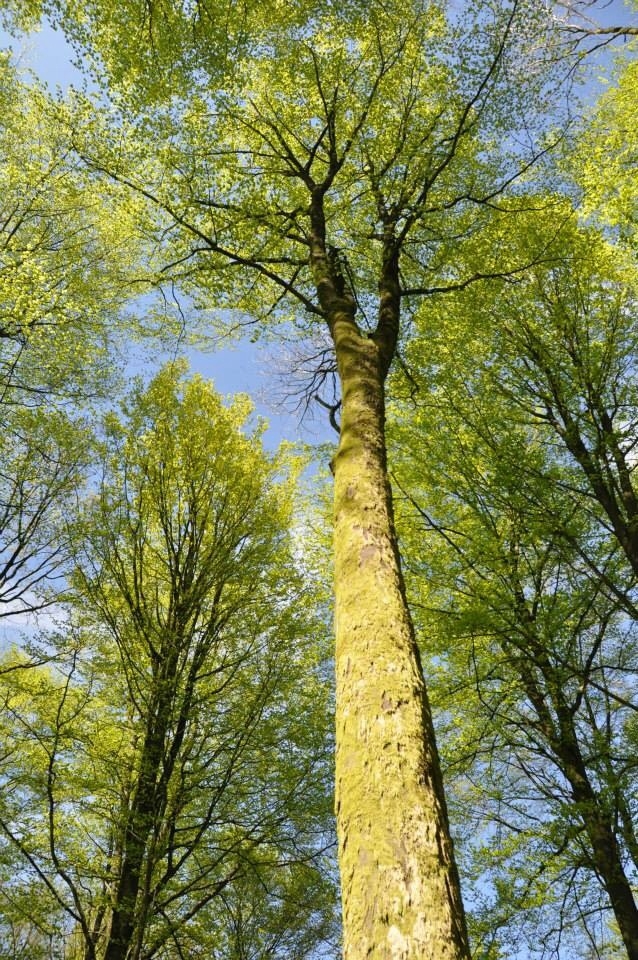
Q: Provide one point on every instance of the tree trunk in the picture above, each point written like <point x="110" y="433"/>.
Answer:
<point x="608" y="862"/>
<point x="145" y="810"/>
<point x="606" y="854"/>
<point x="400" y="888"/>
<point x="124" y="908"/>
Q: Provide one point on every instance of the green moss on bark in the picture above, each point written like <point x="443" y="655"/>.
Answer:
<point x="401" y="896"/>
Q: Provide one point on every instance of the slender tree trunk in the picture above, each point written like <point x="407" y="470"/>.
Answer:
<point x="606" y="855"/>
<point x="560" y="733"/>
<point x="607" y="860"/>
<point x="145" y="809"/>
<point x="124" y="909"/>
<point x="400" y="888"/>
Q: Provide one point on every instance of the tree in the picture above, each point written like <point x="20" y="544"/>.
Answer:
<point x="180" y="755"/>
<point x="588" y="31"/>
<point x="42" y="457"/>
<point x="59" y="243"/>
<point x="609" y="142"/>
<point x="325" y="183"/>
<point x="519" y="465"/>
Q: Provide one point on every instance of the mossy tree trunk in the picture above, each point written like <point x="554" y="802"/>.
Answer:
<point x="400" y="887"/>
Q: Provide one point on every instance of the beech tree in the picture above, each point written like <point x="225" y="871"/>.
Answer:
<point x="519" y="464"/>
<point x="177" y="757"/>
<point x="59" y="243"/>
<point x="516" y="458"/>
<point x="319" y="168"/>
<point x="325" y="169"/>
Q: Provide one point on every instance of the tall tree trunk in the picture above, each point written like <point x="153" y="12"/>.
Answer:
<point x="401" y="895"/>
<point x="606" y="855"/>
<point x="146" y="807"/>
<point x="608" y="863"/>
<point x="124" y="908"/>
<point x="559" y="729"/>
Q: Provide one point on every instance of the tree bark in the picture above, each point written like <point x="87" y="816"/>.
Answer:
<point x="606" y="855"/>
<point x="400" y="887"/>
<point x="558" y="727"/>
<point x="141" y="820"/>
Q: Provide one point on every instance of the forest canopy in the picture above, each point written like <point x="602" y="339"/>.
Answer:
<point x="424" y="216"/>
